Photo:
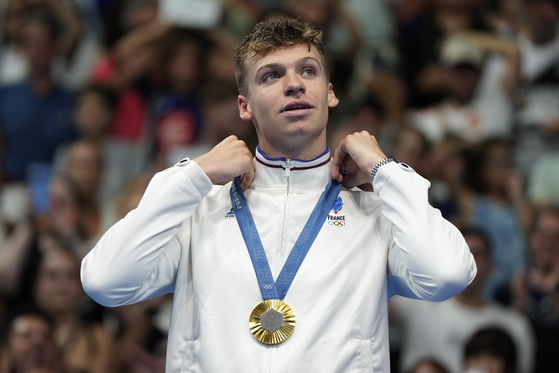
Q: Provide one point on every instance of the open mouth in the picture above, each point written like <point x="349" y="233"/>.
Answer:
<point x="296" y="106"/>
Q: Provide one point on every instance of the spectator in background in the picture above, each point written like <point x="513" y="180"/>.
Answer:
<point x="538" y="115"/>
<point x="35" y="115"/>
<point x="491" y="350"/>
<point x="220" y="59"/>
<point x="85" y="166"/>
<point x="481" y="78"/>
<point x="535" y="289"/>
<point x="440" y="330"/>
<point x="380" y="112"/>
<point x="85" y="347"/>
<point x="499" y="208"/>
<point x="411" y="147"/>
<point x="29" y="345"/>
<point x="368" y="116"/>
<point x="122" y="16"/>
<point x="128" y="66"/>
<point x="76" y="53"/>
<point x="423" y="26"/>
<point x="449" y="192"/>
<point x="12" y="66"/>
<point x="175" y="111"/>
<point x="122" y="160"/>
<point x="221" y="117"/>
<point x="62" y="222"/>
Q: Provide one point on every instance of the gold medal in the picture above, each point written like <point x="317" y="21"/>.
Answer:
<point x="272" y="321"/>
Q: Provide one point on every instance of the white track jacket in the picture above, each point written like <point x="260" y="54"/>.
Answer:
<point x="183" y="238"/>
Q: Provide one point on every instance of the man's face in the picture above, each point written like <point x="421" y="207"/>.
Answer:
<point x="58" y="285"/>
<point x="28" y="333"/>
<point x="288" y="100"/>
<point x="39" y="47"/>
<point x="462" y="82"/>
<point x="544" y="242"/>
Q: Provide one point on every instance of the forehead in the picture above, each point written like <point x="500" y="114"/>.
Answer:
<point x="283" y="56"/>
<point x="26" y="323"/>
<point x="58" y="259"/>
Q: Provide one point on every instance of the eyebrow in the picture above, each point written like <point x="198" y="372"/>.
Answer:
<point x="276" y="65"/>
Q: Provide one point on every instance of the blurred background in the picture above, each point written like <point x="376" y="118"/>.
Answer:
<point x="98" y="95"/>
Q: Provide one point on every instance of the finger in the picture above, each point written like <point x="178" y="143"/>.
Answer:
<point x="337" y="160"/>
<point x="247" y="178"/>
<point x="349" y="165"/>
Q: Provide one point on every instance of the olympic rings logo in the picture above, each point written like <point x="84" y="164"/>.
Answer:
<point x="336" y="223"/>
<point x="268" y="286"/>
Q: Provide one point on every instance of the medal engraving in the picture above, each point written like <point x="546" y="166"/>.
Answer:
<point x="272" y="321"/>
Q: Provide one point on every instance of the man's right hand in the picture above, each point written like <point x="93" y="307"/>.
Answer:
<point x="227" y="160"/>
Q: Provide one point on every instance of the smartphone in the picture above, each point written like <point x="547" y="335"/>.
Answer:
<point x="38" y="179"/>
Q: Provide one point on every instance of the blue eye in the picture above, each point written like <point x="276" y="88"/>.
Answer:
<point x="271" y="76"/>
<point x="308" y="72"/>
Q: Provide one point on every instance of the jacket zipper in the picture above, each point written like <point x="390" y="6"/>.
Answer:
<point x="284" y="217"/>
<point x="287" y="174"/>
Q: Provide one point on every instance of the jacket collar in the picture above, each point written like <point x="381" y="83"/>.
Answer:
<point x="291" y="176"/>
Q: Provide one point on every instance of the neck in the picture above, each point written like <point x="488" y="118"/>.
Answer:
<point x="303" y="156"/>
<point x="41" y="85"/>
<point x="303" y="145"/>
<point x="305" y="153"/>
<point x="282" y="157"/>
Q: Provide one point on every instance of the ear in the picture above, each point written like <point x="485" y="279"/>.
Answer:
<point x="332" y="99"/>
<point x="244" y="108"/>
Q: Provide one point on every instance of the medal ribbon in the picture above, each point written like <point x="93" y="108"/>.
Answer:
<point x="278" y="289"/>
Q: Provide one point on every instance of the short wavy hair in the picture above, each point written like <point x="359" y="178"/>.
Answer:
<point x="270" y="35"/>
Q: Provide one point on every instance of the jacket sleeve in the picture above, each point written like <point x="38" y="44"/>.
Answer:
<point x="428" y="257"/>
<point x="138" y="258"/>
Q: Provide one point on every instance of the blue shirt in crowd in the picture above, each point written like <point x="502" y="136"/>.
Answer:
<point x="32" y="128"/>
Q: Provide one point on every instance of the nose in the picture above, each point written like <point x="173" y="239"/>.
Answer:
<point x="293" y="84"/>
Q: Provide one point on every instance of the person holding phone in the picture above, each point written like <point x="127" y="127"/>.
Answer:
<point x="287" y="267"/>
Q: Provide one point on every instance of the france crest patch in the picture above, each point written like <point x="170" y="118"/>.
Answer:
<point x="338" y="205"/>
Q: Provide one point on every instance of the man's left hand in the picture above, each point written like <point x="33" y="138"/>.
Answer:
<point x="357" y="155"/>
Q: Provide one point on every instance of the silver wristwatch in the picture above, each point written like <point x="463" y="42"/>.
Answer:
<point x="380" y="164"/>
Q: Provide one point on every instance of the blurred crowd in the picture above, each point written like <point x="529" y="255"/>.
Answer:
<point x="98" y="95"/>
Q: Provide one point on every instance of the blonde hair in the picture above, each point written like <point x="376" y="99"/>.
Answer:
<point x="273" y="34"/>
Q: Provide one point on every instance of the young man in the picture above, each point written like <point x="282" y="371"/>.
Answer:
<point x="186" y="238"/>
